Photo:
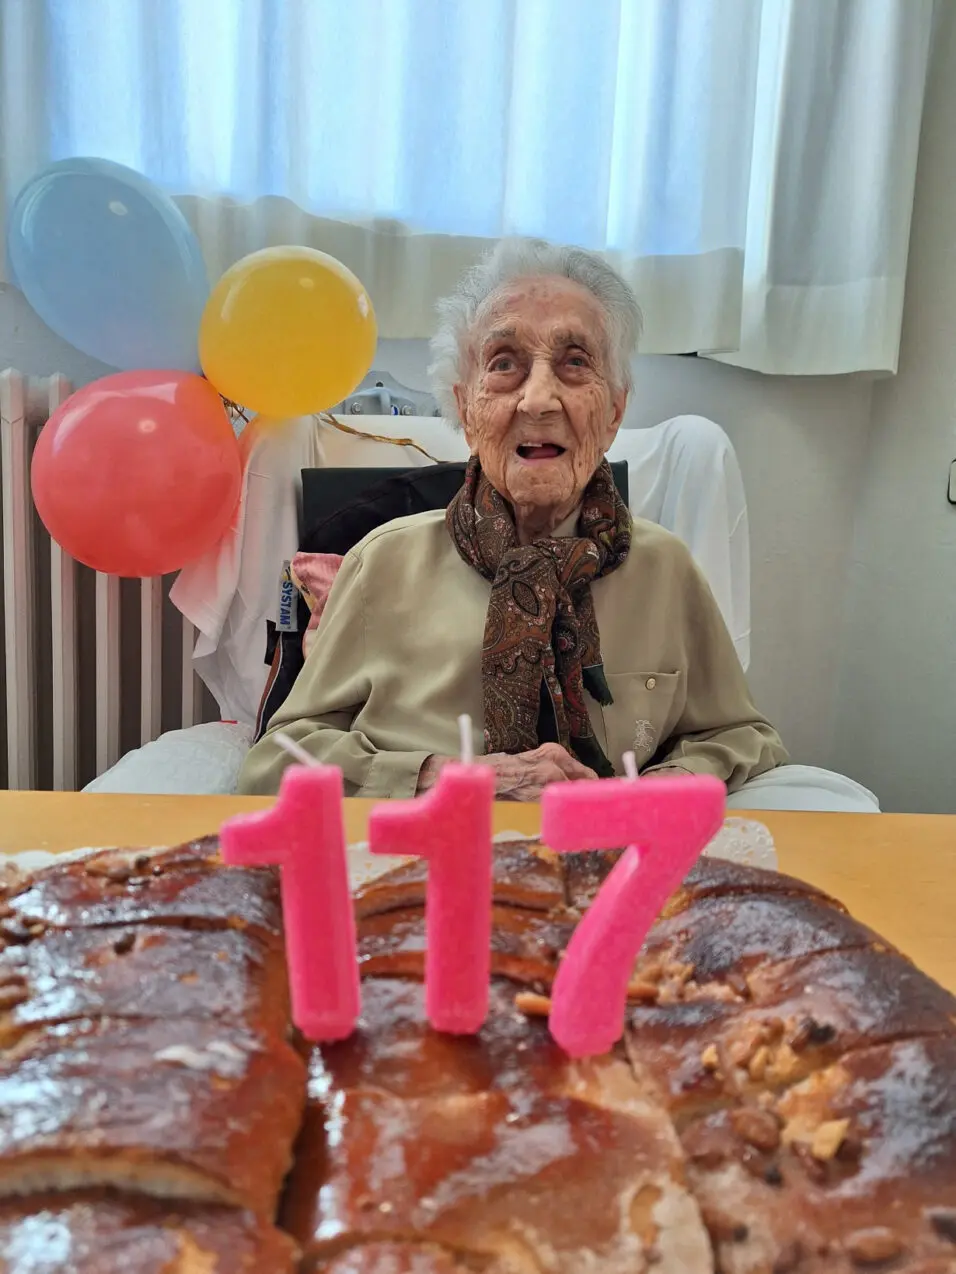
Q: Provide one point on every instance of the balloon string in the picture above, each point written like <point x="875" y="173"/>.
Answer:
<point x="251" y="433"/>
<point x="233" y="410"/>
<point x="328" y="419"/>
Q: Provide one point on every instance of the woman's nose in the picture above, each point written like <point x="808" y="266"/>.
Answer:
<point x="540" y="390"/>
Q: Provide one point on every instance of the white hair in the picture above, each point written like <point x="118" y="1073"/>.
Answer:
<point x="520" y="259"/>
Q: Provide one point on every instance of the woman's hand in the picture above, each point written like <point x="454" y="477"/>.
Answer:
<point x="522" y="777"/>
<point x="525" y="776"/>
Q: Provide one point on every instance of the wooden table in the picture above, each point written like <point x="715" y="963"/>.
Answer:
<point x="896" y="872"/>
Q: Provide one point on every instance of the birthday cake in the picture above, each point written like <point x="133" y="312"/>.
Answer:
<point x="783" y="1099"/>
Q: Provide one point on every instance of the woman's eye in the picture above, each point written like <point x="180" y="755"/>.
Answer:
<point x="503" y="363"/>
<point x="576" y="360"/>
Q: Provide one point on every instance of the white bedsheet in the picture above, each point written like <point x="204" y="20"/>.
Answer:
<point x="230" y="592"/>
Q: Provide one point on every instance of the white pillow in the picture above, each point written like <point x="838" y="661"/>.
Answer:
<point x="201" y="760"/>
<point x="804" y="787"/>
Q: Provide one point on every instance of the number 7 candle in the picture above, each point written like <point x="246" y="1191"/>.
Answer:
<point x="665" y="823"/>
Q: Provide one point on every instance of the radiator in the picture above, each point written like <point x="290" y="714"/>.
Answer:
<point x="93" y="665"/>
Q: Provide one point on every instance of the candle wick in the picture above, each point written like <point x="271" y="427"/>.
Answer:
<point x="630" y="765"/>
<point x="467" y="742"/>
<point x="295" y="750"/>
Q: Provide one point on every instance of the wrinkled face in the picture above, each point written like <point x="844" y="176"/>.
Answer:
<point x="537" y="406"/>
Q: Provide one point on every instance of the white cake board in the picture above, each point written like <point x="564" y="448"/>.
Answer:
<point x="740" y="840"/>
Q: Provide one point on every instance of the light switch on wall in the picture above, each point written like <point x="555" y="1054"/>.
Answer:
<point x="951" y="492"/>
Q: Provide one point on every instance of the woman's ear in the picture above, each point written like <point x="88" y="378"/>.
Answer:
<point x="618" y="408"/>
<point x="464" y="417"/>
<point x="619" y="404"/>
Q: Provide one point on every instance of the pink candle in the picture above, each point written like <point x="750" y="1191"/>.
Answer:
<point x="665" y="822"/>
<point x="304" y="836"/>
<point x="451" y="827"/>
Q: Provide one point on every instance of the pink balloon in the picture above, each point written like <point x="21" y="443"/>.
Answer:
<point x="138" y="473"/>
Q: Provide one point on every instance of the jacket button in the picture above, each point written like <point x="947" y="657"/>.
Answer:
<point x="651" y="682"/>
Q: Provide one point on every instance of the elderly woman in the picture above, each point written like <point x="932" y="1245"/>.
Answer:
<point x="569" y="632"/>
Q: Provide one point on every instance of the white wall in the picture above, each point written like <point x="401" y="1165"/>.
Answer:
<point x="897" y="679"/>
<point x="800" y="443"/>
<point x="27" y="344"/>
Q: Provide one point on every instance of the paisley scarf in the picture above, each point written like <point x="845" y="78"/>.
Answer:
<point x="542" y="648"/>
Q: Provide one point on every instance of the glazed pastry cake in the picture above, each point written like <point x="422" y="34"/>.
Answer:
<point x="784" y="1098"/>
<point x="150" y="1091"/>
<point x="101" y="1233"/>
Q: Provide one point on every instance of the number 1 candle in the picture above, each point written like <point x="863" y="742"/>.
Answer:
<point x="304" y="836"/>
<point x="665" y="823"/>
<point x="451" y="827"/>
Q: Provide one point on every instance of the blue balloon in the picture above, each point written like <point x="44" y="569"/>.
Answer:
<point x="110" y="264"/>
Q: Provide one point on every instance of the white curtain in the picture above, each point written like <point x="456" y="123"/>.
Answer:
<point x="840" y="90"/>
<point x="747" y="164"/>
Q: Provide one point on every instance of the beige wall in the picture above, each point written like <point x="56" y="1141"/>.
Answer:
<point x="896" y="720"/>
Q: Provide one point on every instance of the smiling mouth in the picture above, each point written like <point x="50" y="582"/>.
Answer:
<point x="540" y="451"/>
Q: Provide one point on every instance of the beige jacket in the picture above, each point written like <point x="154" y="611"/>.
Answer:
<point x="397" y="658"/>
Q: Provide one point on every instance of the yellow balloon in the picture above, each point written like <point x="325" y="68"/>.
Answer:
<point x="287" y="331"/>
